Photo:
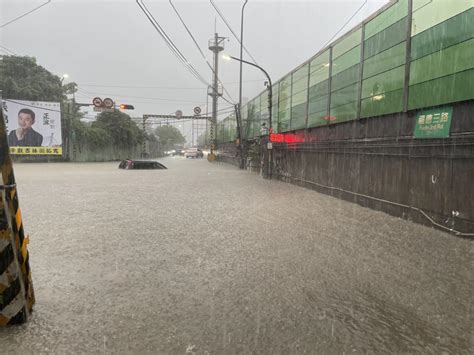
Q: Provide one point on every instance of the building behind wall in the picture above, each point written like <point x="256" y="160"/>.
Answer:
<point x="383" y="116"/>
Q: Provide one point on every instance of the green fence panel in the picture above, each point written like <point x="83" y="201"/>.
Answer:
<point x="389" y="102"/>
<point x="345" y="78"/>
<point x="448" y="61"/>
<point x="344" y="96"/>
<point x="319" y="68"/>
<point x="318" y="105"/>
<point x="388" y="81"/>
<point x="298" y="116"/>
<point x="319" y="90"/>
<point x="344" y="113"/>
<point x="446" y="34"/>
<point x="452" y="88"/>
<point x="346" y="61"/>
<point x="387" y="18"/>
<point x="386" y="39"/>
<point x="386" y="60"/>
<point x="429" y="13"/>
<point x="347" y="43"/>
<point x="317" y="119"/>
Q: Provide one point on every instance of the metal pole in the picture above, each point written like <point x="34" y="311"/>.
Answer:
<point x="270" y="129"/>
<point x="241" y="53"/>
<point x="215" y="93"/>
<point x="270" y="94"/>
<point x="408" y="57"/>
<point x="207" y="121"/>
<point x="239" y="111"/>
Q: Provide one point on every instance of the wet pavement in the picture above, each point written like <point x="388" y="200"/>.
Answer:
<point x="206" y="259"/>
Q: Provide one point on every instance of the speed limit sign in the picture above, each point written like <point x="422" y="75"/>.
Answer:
<point x="108" y="102"/>
<point x="97" y="101"/>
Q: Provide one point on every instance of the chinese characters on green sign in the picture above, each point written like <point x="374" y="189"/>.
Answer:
<point x="434" y="123"/>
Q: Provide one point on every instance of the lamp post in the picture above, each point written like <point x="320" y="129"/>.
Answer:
<point x="239" y="111"/>
<point x="270" y="127"/>
<point x="65" y="76"/>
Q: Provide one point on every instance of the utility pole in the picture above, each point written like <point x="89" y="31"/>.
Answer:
<point x="145" y="117"/>
<point x="216" y="45"/>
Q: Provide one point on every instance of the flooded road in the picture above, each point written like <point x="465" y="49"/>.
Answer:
<point x="204" y="258"/>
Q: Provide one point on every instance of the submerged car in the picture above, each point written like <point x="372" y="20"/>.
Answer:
<point x="193" y="153"/>
<point x="129" y="164"/>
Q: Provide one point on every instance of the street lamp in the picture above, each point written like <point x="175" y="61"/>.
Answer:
<point x="65" y="76"/>
<point x="270" y="126"/>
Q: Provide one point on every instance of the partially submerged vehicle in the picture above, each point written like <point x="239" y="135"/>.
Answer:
<point x="129" y="164"/>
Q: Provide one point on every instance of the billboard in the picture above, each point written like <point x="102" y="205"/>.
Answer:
<point x="33" y="127"/>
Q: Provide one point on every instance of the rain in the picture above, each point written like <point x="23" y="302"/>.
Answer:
<point x="236" y="177"/>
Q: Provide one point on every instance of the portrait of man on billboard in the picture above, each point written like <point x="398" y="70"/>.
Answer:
<point x="25" y="135"/>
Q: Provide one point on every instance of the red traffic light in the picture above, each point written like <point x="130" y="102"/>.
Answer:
<point x="126" y="107"/>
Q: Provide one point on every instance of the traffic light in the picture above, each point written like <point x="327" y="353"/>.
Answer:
<point x="126" y="107"/>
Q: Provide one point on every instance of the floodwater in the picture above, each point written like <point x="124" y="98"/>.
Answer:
<point x="206" y="259"/>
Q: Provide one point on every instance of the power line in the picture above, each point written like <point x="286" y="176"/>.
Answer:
<point x="143" y="87"/>
<point x="25" y="14"/>
<point x="8" y="51"/>
<point x="221" y="15"/>
<point x="92" y="93"/>
<point x="165" y="87"/>
<point x="170" y="43"/>
<point x="198" y="47"/>
<point x="350" y="19"/>
<point x="190" y="34"/>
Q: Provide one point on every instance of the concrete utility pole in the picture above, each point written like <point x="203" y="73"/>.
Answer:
<point x="216" y="45"/>
<point x="145" y="117"/>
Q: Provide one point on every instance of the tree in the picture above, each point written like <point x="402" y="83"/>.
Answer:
<point x="22" y="78"/>
<point x="169" y="136"/>
<point x="122" y="130"/>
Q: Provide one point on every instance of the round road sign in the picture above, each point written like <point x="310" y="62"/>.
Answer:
<point x="108" y="102"/>
<point x="179" y="114"/>
<point x="197" y="110"/>
<point x="97" y="102"/>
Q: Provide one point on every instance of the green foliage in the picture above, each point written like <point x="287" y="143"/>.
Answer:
<point x="169" y="136"/>
<point x="93" y="137"/>
<point x="120" y="127"/>
<point x="22" y="78"/>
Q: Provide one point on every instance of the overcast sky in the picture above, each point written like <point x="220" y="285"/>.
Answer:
<point x="110" y="49"/>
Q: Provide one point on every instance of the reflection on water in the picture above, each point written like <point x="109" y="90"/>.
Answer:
<point x="205" y="258"/>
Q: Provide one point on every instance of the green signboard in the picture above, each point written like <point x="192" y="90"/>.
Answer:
<point x="434" y="123"/>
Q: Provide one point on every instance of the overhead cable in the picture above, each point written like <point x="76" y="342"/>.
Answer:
<point x="89" y="94"/>
<point x="93" y="93"/>
<point x="25" y="14"/>
<point x="170" y="43"/>
<point x="350" y="19"/>
<point x="8" y="51"/>
<point x="164" y="87"/>
<point x="221" y="15"/>
<point x="198" y="47"/>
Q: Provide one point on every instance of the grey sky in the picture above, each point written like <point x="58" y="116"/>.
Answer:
<point x="110" y="42"/>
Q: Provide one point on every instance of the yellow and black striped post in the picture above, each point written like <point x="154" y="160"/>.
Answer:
<point x="16" y="288"/>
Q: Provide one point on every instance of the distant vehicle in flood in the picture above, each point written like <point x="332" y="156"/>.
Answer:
<point x="193" y="153"/>
<point x="130" y="164"/>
